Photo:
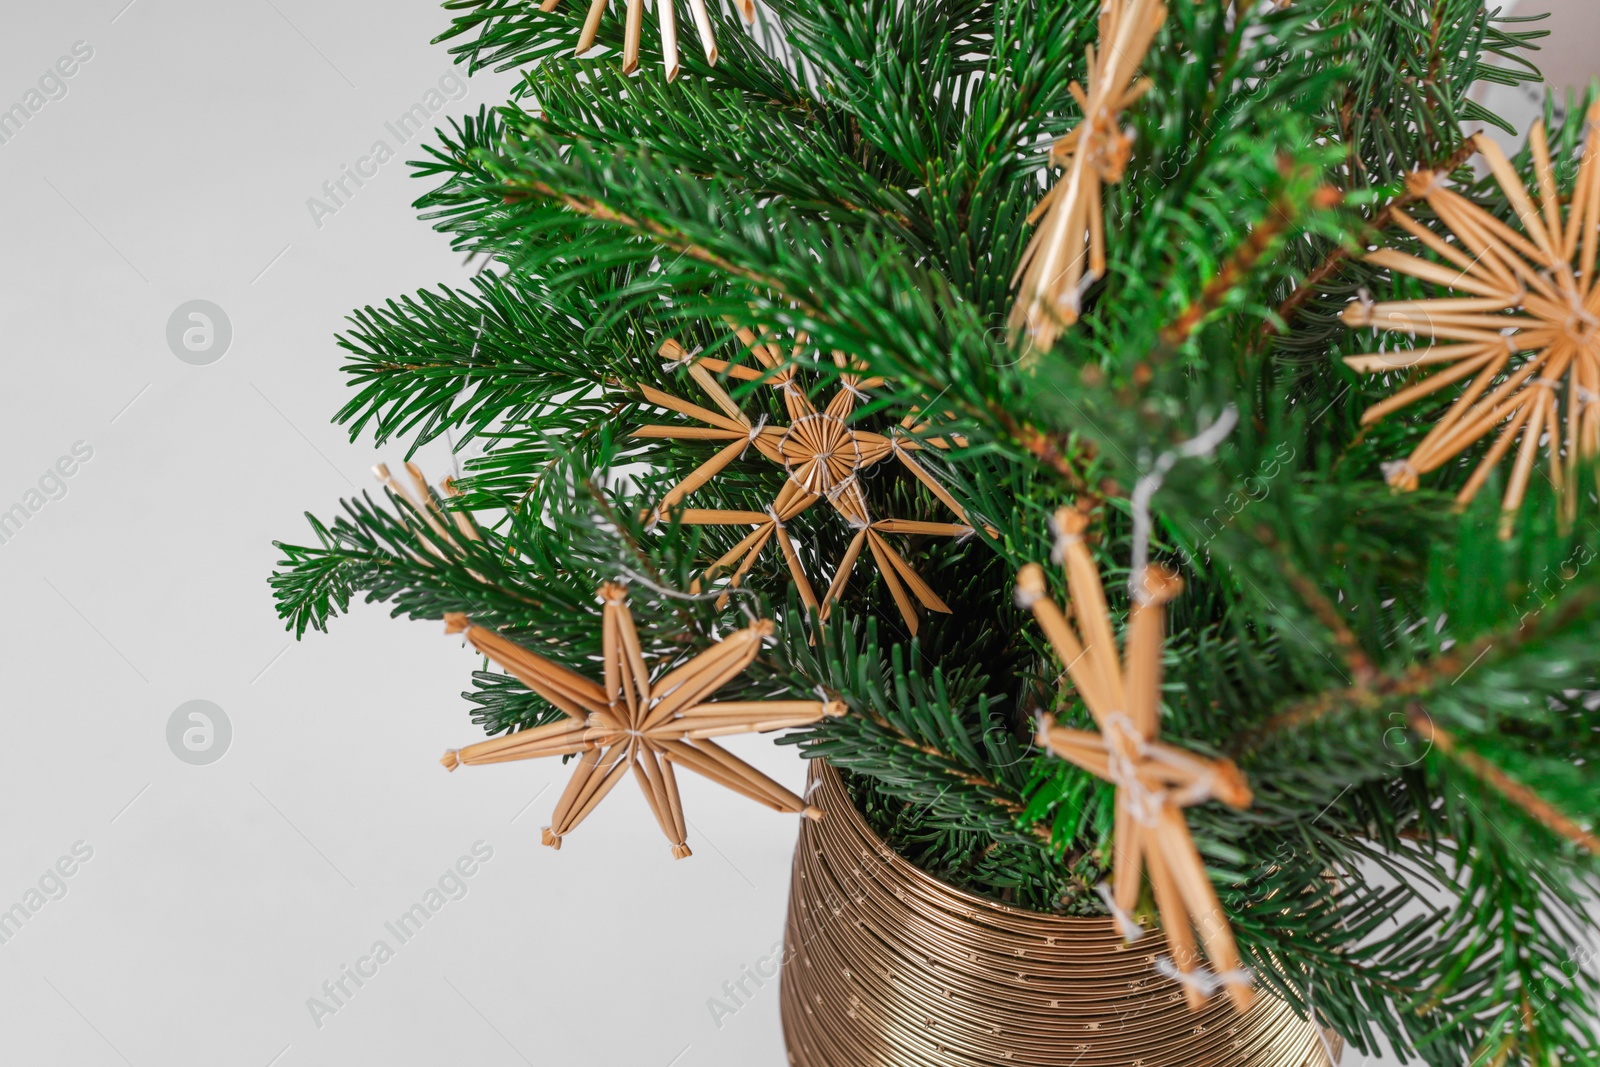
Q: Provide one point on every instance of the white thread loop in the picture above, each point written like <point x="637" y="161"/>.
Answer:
<point x="848" y="384"/>
<point x="755" y="430"/>
<point x="1398" y="468"/>
<point x="1130" y="930"/>
<point x="1205" y="981"/>
<point x="1058" y="550"/>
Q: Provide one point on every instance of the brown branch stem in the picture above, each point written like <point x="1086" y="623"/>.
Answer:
<point x="1513" y="790"/>
<point x="1280" y="216"/>
<point x="1044" y="446"/>
<point x="1416" y="680"/>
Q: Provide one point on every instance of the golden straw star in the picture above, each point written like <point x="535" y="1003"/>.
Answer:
<point x="1155" y="781"/>
<point x="1526" y="337"/>
<point x="639" y="723"/>
<point x="1067" y="252"/>
<point x="824" y="458"/>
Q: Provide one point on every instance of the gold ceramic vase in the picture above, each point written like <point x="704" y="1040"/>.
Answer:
<point x="885" y="965"/>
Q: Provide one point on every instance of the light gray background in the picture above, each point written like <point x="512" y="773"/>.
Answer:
<point x="219" y="898"/>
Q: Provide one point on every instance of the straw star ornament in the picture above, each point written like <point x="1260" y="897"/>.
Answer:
<point x="634" y="30"/>
<point x="823" y="457"/>
<point x="1525" y="338"/>
<point x="1067" y="252"/>
<point x="637" y="722"/>
<point x="1155" y="781"/>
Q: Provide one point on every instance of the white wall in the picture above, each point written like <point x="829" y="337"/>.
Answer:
<point x="219" y="898"/>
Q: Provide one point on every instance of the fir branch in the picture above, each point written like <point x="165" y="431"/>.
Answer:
<point x="1290" y="306"/>
<point x="595" y="208"/>
<point x="1531" y="802"/>
<point x="1349" y="646"/>
<point x="1281" y="217"/>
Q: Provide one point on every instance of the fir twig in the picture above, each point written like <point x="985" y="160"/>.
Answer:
<point x="1528" y="800"/>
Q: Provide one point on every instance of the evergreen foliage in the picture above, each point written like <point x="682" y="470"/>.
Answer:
<point x="859" y="174"/>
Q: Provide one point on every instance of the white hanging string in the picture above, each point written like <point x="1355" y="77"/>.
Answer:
<point x="678" y="594"/>
<point x="1201" y="444"/>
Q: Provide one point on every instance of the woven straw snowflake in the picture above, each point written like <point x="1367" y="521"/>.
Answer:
<point x="638" y="722"/>
<point x="1526" y="336"/>
<point x="824" y="458"/>
<point x="1155" y="781"/>
<point x="669" y="30"/>
<point x="1067" y="252"/>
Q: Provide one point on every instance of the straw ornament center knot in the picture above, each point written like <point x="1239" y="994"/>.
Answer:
<point x="1581" y="324"/>
<point x="1106" y="145"/>
<point x="1126" y="748"/>
<point x="819" y="452"/>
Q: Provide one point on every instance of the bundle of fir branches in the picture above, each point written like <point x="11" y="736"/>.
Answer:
<point x="838" y="206"/>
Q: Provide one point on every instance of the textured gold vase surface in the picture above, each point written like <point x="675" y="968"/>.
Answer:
<point x="885" y="965"/>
